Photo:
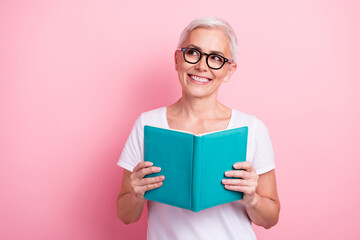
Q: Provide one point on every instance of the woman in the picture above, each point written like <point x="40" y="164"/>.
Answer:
<point x="205" y="58"/>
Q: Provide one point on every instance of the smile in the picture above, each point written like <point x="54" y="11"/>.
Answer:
<point x="199" y="80"/>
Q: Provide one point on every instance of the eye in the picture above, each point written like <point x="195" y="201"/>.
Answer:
<point x="216" y="58"/>
<point x="192" y="52"/>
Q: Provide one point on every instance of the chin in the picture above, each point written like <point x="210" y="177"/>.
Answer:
<point x="196" y="93"/>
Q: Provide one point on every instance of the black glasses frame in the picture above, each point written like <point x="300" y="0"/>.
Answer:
<point x="207" y="57"/>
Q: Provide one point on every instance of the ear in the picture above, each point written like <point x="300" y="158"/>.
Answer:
<point x="231" y="70"/>
<point x="176" y="60"/>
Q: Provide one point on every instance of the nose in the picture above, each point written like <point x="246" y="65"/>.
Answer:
<point x="202" y="65"/>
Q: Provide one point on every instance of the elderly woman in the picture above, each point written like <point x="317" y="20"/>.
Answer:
<point x="205" y="58"/>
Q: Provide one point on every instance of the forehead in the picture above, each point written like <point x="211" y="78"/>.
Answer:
<point x="209" y="39"/>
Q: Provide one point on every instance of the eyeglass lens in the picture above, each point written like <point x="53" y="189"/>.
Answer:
<point x="213" y="61"/>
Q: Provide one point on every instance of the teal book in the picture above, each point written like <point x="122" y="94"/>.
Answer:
<point x="194" y="165"/>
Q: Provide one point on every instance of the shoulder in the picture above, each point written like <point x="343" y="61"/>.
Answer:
<point x="154" y="117"/>
<point x="254" y="124"/>
<point x="244" y="119"/>
<point x="153" y="113"/>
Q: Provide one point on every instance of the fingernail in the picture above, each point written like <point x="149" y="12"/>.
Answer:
<point x="227" y="173"/>
<point x="224" y="181"/>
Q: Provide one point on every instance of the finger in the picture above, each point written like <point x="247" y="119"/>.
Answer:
<point x="151" y="186"/>
<point x="142" y="165"/>
<point x="151" y="180"/>
<point x="234" y="188"/>
<point x="236" y="182"/>
<point x="145" y="171"/>
<point x="238" y="174"/>
<point x="244" y="166"/>
<point x="243" y="189"/>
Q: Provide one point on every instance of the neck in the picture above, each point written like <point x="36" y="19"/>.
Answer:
<point x="199" y="108"/>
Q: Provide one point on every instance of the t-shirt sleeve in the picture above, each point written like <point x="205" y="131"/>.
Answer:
<point x="133" y="151"/>
<point x="264" y="154"/>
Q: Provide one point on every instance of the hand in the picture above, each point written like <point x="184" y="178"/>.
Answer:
<point x="247" y="182"/>
<point x="139" y="184"/>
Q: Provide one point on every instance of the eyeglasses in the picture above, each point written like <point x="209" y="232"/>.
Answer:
<point x="214" y="61"/>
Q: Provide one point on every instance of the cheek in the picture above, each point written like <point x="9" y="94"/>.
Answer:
<point x="181" y="74"/>
<point x="183" y="67"/>
<point x="220" y="74"/>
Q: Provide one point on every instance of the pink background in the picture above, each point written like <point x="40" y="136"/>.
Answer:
<point x="74" y="75"/>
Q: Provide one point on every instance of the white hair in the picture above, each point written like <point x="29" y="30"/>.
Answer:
<point x="212" y="22"/>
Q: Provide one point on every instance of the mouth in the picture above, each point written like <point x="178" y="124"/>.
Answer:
<point x="199" y="80"/>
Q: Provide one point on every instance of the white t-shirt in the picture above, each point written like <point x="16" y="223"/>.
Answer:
<point x="226" y="221"/>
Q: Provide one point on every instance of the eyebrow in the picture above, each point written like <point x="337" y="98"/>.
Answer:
<point x="212" y="52"/>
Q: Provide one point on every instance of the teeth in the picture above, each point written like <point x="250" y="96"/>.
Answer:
<point x="199" y="79"/>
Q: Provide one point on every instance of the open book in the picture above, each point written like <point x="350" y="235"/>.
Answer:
<point x="194" y="165"/>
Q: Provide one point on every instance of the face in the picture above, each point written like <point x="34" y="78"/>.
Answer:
<point x="198" y="79"/>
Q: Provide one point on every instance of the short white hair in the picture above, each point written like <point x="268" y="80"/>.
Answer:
<point x="212" y="22"/>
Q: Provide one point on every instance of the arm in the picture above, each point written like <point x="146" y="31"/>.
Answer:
<point x="265" y="207"/>
<point x="130" y="202"/>
<point x="260" y="193"/>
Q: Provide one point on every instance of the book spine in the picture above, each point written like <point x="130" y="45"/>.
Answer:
<point x="197" y="173"/>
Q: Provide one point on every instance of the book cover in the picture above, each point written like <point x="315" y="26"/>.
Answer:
<point x="194" y="165"/>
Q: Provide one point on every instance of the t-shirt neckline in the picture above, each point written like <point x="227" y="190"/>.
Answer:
<point x="227" y="128"/>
